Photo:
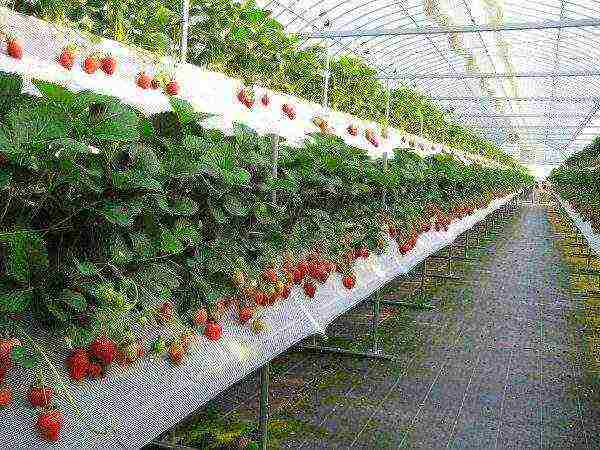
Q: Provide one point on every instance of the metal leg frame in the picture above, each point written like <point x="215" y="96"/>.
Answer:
<point x="374" y="352"/>
<point x="264" y="406"/>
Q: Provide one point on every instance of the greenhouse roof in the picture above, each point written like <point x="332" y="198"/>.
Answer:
<point x="524" y="74"/>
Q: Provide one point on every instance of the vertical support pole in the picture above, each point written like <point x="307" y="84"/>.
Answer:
<point x="326" y="87"/>
<point x="185" y="25"/>
<point x="387" y="105"/>
<point x="264" y="406"/>
<point x="275" y="157"/>
<point x="264" y="371"/>
<point x="375" y="322"/>
<point x="384" y="196"/>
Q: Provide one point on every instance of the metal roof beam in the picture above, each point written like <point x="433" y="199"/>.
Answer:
<point x="430" y="76"/>
<point x="545" y="25"/>
<point x="583" y="125"/>
<point x="519" y="115"/>
<point x="533" y="99"/>
<point x="536" y="126"/>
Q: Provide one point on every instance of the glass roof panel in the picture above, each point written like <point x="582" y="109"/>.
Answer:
<point x="539" y="81"/>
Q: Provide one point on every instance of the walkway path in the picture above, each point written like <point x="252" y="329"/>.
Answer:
<point x="494" y="367"/>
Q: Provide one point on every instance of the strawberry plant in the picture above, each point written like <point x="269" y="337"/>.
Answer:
<point x="114" y="221"/>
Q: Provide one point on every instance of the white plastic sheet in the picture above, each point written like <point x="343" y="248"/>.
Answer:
<point x="133" y="405"/>
<point x="585" y="227"/>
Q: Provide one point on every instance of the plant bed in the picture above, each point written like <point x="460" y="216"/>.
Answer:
<point x="132" y="243"/>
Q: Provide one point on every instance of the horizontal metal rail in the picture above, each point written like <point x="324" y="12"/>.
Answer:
<point x="532" y="99"/>
<point x="545" y="25"/>
<point x="431" y="76"/>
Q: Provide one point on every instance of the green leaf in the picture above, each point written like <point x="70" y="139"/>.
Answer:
<point x="121" y="213"/>
<point x="6" y="145"/>
<point x="281" y="184"/>
<point x="15" y="301"/>
<point x="11" y="86"/>
<point x="120" y="252"/>
<point x="142" y="245"/>
<point x="26" y="257"/>
<point x="107" y="119"/>
<point x="87" y="268"/>
<point x="5" y="178"/>
<point x="180" y="206"/>
<point x="169" y="242"/>
<point x="218" y="214"/>
<point x="234" y="205"/>
<point x="183" y="109"/>
<point x="38" y="125"/>
<point x="235" y="176"/>
<point x="265" y="213"/>
<point x="187" y="232"/>
<point x="74" y="299"/>
<point x="54" y="92"/>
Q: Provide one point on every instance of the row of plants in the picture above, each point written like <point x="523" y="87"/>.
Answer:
<point x="584" y="285"/>
<point x="246" y="42"/>
<point x="115" y="225"/>
<point x="577" y="181"/>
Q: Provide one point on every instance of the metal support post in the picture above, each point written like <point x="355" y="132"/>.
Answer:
<point x="264" y="406"/>
<point x="384" y="195"/>
<point x="185" y="23"/>
<point x="375" y="322"/>
<point x="326" y="87"/>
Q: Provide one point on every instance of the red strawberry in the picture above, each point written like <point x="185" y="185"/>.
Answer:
<point x="40" y="395"/>
<point x="172" y="87"/>
<point x="265" y="100"/>
<point x="303" y="268"/>
<point x="154" y="84"/>
<point x="14" y="48"/>
<point x="5" y="397"/>
<point x="95" y="370"/>
<point x="200" y="317"/>
<point x="245" y="98"/>
<point x="50" y="423"/>
<point x="213" y="331"/>
<point x="261" y="298"/>
<point x="270" y="275"/>
<point x="104" y="349"/>
<point x="286" y="291"/>
<point x="109" y="65"/>
<point x="143" y="80"/>
<point x="78" y="363"/>
<point x="166" y="311"/>
<point x="176" y="352"/>
<point x="91" y="64"/>
<point x="362" y="252"/>
<point x="297" y="276"/>
<point x="310" y="289"/>
<point x="289" y="110"/>
<point x="67" y="59"/>
<point x="246" y="314"/>
<point x="349" y="281"/>
<point x="6" y="346"/>
<point x="392" y="231"/>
